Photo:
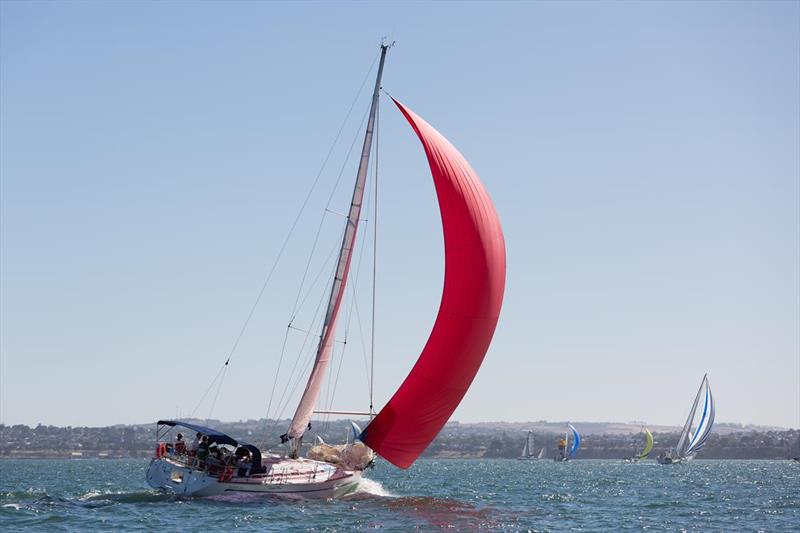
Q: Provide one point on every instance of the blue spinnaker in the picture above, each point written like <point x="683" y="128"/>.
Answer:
<point x="576" y="442"/>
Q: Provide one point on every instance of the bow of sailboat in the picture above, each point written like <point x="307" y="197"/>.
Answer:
<point x="470" y="306"/>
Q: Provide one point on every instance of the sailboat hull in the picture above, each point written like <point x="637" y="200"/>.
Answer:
<point x="293" y="478"/>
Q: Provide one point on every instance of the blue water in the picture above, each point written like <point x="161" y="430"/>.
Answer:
<point x="460" y="495"/>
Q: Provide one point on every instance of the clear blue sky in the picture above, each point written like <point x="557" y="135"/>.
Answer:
<point x="643" y="158"/>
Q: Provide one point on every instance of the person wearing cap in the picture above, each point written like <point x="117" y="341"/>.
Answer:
<point x="180" y="444"/>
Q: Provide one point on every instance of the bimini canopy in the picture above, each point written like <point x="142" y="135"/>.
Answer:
<point x="217" y="437"/>
<point x="213" y="435"/>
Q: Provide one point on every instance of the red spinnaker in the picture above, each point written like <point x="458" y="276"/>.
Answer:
<point x="474" y="280"/>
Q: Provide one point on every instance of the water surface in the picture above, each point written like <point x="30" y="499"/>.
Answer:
<point x="487" y="495"/>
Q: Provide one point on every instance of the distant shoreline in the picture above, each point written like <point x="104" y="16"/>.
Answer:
<point x="500" y="440"/>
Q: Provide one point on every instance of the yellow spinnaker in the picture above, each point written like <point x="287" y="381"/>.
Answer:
<point x="648" y="447"/>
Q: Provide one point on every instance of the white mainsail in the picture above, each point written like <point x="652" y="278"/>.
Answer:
<point x="706" y="422"/>
<point x="305" y="409"/>
<point x="691" y="441"/>
<point x="527" y="451"/>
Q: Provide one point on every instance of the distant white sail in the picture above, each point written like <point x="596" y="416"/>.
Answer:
<point x="706" y="422"/>
<point x="527" y="451"/>
<point x="691" y="441"/>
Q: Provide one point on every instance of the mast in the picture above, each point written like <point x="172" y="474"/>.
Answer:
<point x="302" y="416"/>
<point x="688" y="426"/>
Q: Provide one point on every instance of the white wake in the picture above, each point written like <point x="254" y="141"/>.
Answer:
<point x="370" y="488"/>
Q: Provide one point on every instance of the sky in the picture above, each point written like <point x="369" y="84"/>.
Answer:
<point x="643" y="158"/>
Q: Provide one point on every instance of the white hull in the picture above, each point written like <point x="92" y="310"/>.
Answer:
<point x="299" y="478"/>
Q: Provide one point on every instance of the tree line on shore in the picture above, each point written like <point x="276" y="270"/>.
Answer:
<point x="455" y="441"/>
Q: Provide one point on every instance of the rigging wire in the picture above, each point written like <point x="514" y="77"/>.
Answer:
<point x="374" y="265"/>
<point x="289" y="328"/>
<point x="354" y="304"/>
<point x="316" y="322"/>
<point x="369" y="367"/>
<point x="295" y="308"/>
<point x="297" y="219"/>
<point x="308" y="360"/>
<point x="223" y="370"/>
<point x="302" y="347"/>
<point x="300" y="290"/>
<point x="210" y="385"/>
<point x="331" y="389"/>
<point x="214" y="402"/>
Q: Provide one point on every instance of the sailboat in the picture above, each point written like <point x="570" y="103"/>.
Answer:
<point x="563" y="444"/>
<point x="690" y="442"/>
<point x="528" y="450"/>
<point x="474" y="281"/>
<point x="648" y="447"/>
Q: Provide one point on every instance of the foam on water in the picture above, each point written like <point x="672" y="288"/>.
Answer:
<point x="371" y="488"/>
<point x="125" y="497"/>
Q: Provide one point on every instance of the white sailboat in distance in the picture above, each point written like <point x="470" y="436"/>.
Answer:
<point x="472" y="297"/>
<point x="527" y="450"/>
<point x="690" y="442"/>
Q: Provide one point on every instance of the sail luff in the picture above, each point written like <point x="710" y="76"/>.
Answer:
<point x="308" y="401"/>
<point x="687" y="427"/>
